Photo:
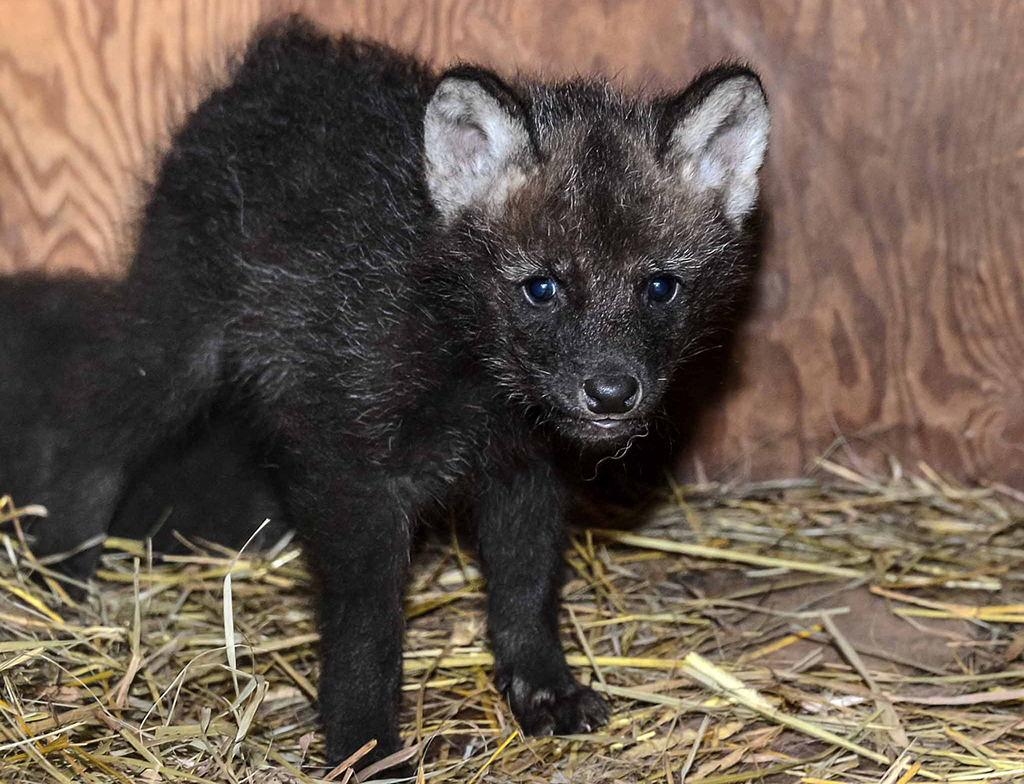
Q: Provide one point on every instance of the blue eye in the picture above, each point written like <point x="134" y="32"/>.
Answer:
<point x="662" y="289"/>
<point x="540" y="290"/>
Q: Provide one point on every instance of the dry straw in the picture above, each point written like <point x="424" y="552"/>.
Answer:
<point x="835" y="630"/>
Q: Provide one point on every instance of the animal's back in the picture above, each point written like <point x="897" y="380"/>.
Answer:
<point x="310" y="132"/>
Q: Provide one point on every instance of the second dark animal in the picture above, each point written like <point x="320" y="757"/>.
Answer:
<point x="418" y="291"/>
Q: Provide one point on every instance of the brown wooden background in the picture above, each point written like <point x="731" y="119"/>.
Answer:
<point x="891" y="305"/>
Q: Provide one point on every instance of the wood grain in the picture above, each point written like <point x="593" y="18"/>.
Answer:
<point x="890" y="308"/>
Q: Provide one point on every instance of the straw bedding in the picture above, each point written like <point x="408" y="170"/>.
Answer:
<point x="841" y="628"/>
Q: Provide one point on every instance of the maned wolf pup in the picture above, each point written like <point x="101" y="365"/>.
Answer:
<point x="419" y="290"/>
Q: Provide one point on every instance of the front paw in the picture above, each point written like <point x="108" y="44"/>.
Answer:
<point x="557" y="706"/>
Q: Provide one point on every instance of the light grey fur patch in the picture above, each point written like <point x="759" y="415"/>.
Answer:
<point x="524" y="693"/>
<point x="474" y="148"/>
<point x="721" y="144"/>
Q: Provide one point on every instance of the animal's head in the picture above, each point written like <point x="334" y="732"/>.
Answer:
<point x="604" y="236"/>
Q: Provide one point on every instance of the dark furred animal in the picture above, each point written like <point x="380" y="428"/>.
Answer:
<point x="416" y="291"/>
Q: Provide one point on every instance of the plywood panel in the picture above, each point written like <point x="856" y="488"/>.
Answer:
<point x="889" y="309"/>
<point x="87" y="91"/>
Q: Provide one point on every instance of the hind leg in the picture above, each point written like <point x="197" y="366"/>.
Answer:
<point x="79" y="506"/>
<point x="77" y="466"/>
<point x="75" y="426"/>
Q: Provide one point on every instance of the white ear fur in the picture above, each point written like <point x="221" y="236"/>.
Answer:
<point x="473" y="147"/>
<point x="720" y="144"/>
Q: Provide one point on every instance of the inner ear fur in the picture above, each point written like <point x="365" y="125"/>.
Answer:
<point x="715" y="133"/>
<point x="478" y="141"/>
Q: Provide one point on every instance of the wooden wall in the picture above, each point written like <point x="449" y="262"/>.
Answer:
<point x="890" y="309"/>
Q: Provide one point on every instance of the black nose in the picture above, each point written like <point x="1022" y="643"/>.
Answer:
<point x="611" y="394"/>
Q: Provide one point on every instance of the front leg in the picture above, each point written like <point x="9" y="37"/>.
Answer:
<point x="357" y="543"/>
<point x="522" y="534"/>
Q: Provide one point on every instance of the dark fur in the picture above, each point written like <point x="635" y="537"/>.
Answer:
<point x="211" y="481"/>
<point x="361" y="308"/>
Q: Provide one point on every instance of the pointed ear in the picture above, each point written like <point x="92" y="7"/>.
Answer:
<point x="716" y="132"/>
<point x="476" y="141"/>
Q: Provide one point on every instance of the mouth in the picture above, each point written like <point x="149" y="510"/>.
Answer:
<point x="608" y="424"/>
<point x="600" y="430"/>
<point x="607" y="430"/>
<point x="599" y="434"/>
